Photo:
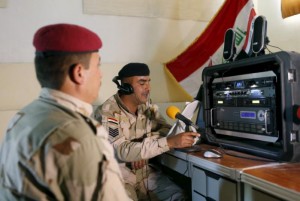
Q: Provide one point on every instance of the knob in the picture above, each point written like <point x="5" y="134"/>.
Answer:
<point x="296" y="114"/>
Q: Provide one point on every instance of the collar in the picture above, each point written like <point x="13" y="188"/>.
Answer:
<point x="68" y="101"/>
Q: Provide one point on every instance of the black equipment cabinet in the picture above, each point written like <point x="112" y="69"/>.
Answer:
<point x="252" y="105"/>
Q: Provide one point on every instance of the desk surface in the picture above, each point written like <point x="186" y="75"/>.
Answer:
<point x="277" y="178"/>
<point x="285" y="175"/>
<point x="233" y="159"/>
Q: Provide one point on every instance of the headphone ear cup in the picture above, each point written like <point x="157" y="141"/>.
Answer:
<point x="126" y="88"/>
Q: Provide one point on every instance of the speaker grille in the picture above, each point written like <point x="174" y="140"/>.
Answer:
<point x="229" y="45"/>
<point x="259" y="34"/>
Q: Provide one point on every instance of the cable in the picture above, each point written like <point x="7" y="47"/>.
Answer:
<point x="147" y="182"/>
<point x="270" y="52"/>
<point x="187" y="164"/>
<point x="275" y="47"/>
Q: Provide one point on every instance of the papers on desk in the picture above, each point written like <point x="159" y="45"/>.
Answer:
<point x="188" y="112"/>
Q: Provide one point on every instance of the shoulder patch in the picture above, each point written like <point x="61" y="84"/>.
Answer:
<point x="113" y="121"/>
<point x="113" y="127"/>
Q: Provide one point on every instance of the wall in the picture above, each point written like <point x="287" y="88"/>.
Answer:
<point x="126" y="39"/>
<point x="151" y="40"/>
<point x="282" y="33"/>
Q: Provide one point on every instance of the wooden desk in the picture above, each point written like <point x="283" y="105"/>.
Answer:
<point x="228" y="165"/>
<point x="281" y="180"/>
<point x="234" y="178"/>
<point x="220" y="179"/>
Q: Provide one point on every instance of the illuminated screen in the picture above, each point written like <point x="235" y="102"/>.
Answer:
<point x="248" y="115"/>
<point x="239" y="84"/>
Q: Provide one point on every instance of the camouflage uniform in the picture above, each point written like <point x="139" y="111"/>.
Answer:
<point x="53" y="151"/>
<point x="136" y="137"/>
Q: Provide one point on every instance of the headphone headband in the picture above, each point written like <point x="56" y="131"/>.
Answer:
<point x="124" y="88"/>
<point x="115" y="80"/>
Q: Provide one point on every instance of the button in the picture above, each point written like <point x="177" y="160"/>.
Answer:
<point x="298" y="112"/>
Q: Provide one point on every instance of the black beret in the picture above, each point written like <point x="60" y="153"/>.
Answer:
<point x="67" y="38"/>
<point x="134" y="69"/>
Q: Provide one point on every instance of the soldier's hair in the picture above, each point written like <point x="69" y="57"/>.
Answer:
<point x="51" y="71"/>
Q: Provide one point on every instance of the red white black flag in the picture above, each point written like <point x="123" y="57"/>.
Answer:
<point x="207" y="49"/>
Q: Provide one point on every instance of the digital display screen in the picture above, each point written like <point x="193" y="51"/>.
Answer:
<point x="255" y="101"/>
<point x="220" y="102"/>
<point x="239" y="84"/>
<point x="247" y="115"/>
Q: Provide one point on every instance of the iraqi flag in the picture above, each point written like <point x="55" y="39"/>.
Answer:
<point x="207" y="49"/>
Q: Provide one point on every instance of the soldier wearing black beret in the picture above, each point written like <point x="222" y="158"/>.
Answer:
<point x="138" y="133"/>
<point x="53" y="149"/>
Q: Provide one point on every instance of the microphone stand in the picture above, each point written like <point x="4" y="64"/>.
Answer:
<point x="193" y="148"/>
<point x="187" y="128"/>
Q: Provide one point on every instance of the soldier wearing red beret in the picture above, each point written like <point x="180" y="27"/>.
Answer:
<point x="53" y="149"/>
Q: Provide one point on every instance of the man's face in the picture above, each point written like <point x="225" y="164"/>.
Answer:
<point x="141" y="87"/>
<point x="93" y="78"/>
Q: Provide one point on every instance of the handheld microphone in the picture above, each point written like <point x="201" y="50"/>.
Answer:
<point x="174" y="113"/>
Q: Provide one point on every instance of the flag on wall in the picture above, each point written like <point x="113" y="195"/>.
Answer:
<point x="207" y="49"/>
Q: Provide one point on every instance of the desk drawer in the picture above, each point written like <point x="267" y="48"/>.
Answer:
<point x="198" y="197"/>
<point x="179" y="165"/>
<point x="211" y="185"/>
<point x="253" y="194"/>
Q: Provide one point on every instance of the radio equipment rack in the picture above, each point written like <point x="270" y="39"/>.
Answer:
<point x="253" y="105"/>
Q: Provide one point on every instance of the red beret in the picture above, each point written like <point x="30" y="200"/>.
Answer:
<point x="66" y="38"/>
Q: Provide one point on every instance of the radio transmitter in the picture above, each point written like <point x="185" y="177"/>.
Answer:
<point x="251" y="105"/>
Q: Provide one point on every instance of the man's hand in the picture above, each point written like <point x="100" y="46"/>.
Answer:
<point x="182" y="140"/>
<point x="138" y="164"/>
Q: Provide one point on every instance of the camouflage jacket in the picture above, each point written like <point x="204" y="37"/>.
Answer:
<point x="52" y="151"/>
<point x="134" y="136"/>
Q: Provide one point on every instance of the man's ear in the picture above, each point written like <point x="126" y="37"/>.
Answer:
<point x="76" y="73"/>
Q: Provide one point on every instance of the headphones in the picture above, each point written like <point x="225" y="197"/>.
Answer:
<point x="124" y="88"/>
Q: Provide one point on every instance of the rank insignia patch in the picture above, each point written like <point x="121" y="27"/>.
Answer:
<point x="113" y="132"/>
<point x="113" y="128"/>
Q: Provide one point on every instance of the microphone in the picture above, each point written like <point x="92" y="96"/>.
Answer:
<point x="174" y="113"/>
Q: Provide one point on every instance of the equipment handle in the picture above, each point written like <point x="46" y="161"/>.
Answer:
<point x="266" y="122"/>
<point x="211" y="117"/>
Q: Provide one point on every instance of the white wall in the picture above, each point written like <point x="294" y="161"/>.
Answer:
<point x="283" y="33"/>
<point x="126" y="39"/>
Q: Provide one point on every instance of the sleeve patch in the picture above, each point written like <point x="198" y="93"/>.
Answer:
<point x="113" y="132"/>
<point x="113" y="121"/>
